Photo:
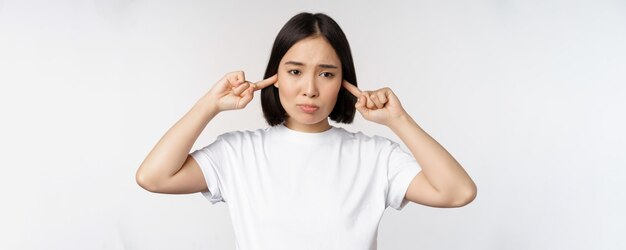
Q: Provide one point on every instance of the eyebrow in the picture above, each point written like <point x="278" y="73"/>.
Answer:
<point x="327" y="66"/>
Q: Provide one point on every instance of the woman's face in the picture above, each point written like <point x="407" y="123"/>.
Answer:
<point x="309" y="80"/>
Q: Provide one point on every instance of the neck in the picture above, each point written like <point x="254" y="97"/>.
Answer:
<point x="308" y="128"/>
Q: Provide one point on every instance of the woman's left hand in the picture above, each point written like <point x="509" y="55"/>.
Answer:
<point x="380" y="106"/>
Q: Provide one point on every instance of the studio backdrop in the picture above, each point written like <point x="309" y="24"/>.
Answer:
<point x="528" y="96"/>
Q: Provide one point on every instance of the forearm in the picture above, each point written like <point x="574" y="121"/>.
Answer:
<point x="170" y="152"/>
<point x="442" y="171"/>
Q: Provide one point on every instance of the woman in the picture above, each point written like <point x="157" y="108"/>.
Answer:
<point x="302" y="183"/>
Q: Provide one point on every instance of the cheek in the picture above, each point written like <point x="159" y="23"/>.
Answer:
<point x="286" y="88"/>
<point x="331" y="93"/>
<point x="286" y="91"/>
<point x="333" y="89"/>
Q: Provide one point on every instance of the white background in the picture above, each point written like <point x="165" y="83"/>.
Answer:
<point x="529" y="96"/>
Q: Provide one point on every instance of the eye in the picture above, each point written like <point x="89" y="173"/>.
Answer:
<point x="327" y="74"/>
<point x="294" y="72"/>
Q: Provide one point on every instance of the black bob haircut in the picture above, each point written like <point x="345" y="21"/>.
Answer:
<point x="301" y="26"/>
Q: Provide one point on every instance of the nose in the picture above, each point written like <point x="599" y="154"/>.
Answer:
<point x="310" y="88"/>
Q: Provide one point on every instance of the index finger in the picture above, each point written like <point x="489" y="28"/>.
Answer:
<point x="266" y="82"/>
<point x="351" y="88"/>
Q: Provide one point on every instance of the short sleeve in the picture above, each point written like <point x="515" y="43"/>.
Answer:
<point x="210" y="159"/>
<point x="402" y="168"/>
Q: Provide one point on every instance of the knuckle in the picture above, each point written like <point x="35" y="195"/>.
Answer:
<point x="236" y="73"/>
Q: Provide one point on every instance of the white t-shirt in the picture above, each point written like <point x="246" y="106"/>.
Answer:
<point x="287" y="189"/>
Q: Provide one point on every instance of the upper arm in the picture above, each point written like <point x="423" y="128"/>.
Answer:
<point x="422" y="192"/>
<point x="189" y="179"/>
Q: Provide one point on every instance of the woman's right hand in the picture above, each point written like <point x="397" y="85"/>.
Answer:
<point x="234" y="92"/>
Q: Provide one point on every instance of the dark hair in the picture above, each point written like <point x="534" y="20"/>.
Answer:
<point x="302" y="26"/>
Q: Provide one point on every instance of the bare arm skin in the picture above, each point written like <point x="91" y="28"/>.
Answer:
<point x="169" y="168"/>
<point x="442" y="182"/>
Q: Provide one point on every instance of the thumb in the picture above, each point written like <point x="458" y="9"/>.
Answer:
<point x="360" y="105"/>
<point x="246" y="98"/>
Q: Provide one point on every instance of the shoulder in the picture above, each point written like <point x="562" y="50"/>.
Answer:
<point x="365" y="139"/>
<point x="239" y="135"/>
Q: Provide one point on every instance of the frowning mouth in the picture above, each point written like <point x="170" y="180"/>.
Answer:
<point x="308" y="108"/>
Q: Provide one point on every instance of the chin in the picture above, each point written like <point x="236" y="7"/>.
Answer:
<point x="307" y="119"/>
<point x="311" y="121"/>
